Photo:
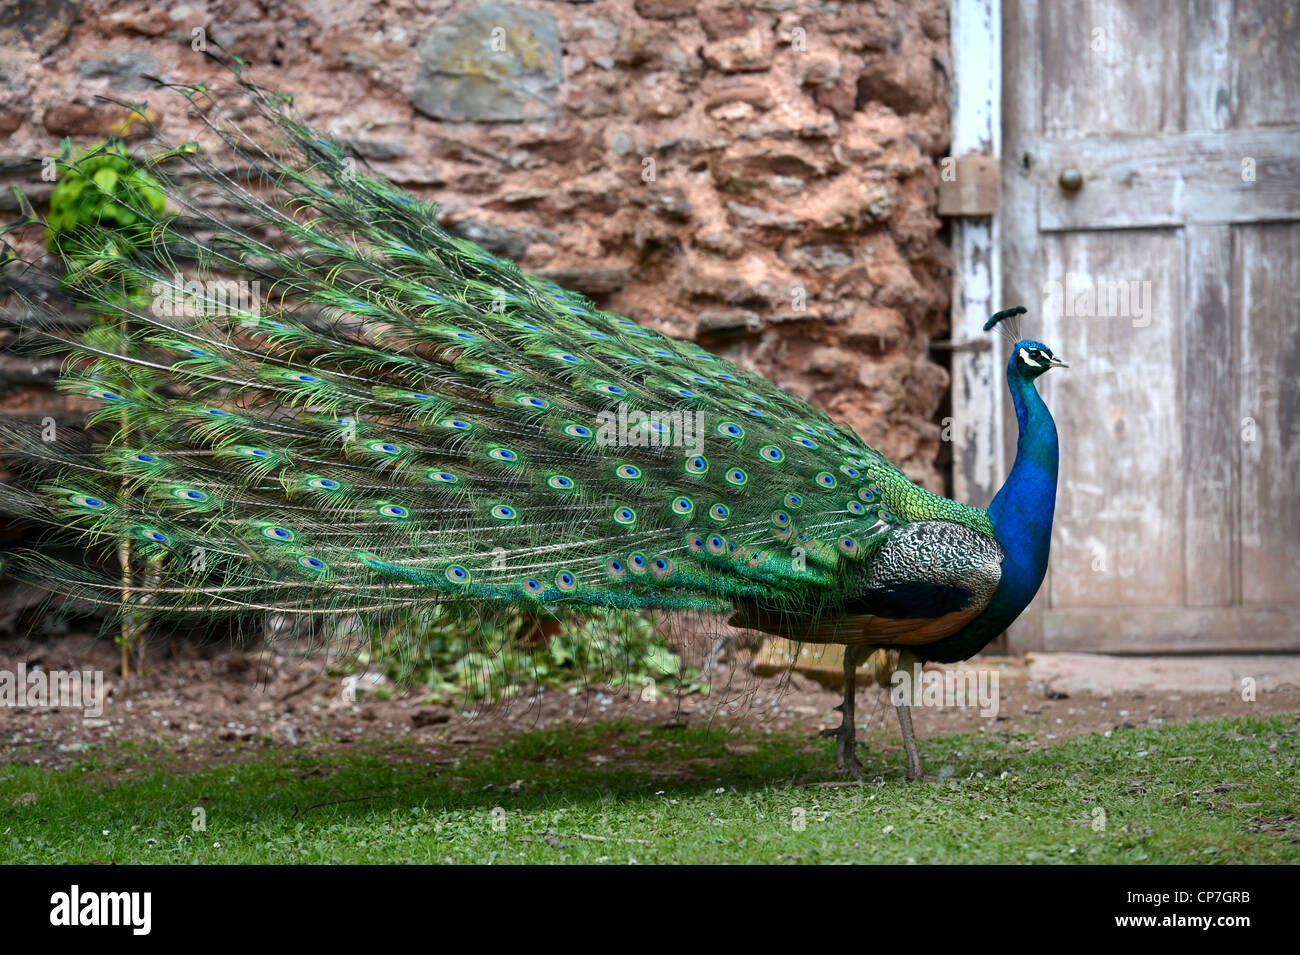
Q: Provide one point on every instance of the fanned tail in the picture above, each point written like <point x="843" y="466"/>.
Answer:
<point x="315" y="399"/>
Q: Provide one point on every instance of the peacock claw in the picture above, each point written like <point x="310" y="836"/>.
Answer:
<point x="846" y="758"/>
<point x="846" y="734"/>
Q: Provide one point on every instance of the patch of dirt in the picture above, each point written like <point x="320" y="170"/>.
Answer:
<point x="208" y="704"/>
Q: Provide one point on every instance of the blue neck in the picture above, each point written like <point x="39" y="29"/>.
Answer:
<point x="1021" y="513"/>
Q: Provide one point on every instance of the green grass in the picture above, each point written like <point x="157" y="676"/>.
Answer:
<point x="659" y="794"/>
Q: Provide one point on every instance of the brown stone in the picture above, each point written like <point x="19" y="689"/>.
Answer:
<point x="723" y="18"/>
<point x="878" y="329"/>
<point x="77" y="119"/>
<point x="664" y="9"/>
<point x="740" y="54"/>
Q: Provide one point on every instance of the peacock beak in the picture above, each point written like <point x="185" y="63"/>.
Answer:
<point x="1055" y="362"/>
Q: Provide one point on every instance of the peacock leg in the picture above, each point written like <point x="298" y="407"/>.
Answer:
<point x="711" y="660"/>
<point x="903" y="706"/>
<point x="846" y="735"/>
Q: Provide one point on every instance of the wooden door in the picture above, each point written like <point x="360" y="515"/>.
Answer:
<point x="1170" y="280"/>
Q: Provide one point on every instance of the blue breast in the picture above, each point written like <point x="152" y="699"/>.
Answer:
<point x="1021" y="515"/>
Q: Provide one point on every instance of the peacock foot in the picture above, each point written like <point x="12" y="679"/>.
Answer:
<point x="846" y="742"/>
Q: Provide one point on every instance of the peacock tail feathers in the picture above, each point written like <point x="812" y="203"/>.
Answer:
<point x="313" y="399"/>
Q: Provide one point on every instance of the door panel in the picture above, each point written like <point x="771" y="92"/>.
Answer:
<point x="1118" y="541"/>
<point x="1267" y="271"/>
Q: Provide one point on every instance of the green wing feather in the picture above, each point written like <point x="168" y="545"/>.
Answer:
<point x="398" y="416"/>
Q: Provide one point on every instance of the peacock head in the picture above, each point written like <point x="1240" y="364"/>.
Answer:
<point x="1033" y="358"/>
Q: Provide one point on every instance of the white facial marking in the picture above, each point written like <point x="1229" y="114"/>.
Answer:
<point x="1024" y="356"/>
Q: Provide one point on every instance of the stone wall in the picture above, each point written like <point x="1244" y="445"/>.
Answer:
<point x="759" y="176"/>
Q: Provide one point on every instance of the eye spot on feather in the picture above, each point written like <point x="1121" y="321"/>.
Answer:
<point x="719" y="512"/>
<point x="697" y="464"/>
<point x="781" y="519"/>
<point x="855" y="508"/>
<point x="189" y="494"/>
<point x="826" y="480"/>
<point x="383" y="447"/>
<point x="255" y="452"/>
<point x="561" y="483"/>
<point x="731" y="429"/>
<point x="661" y="567"/>
<point x="503" y="454"/>
<point x="531" y="402"/>
<point x="216" y="412"/>
<point x="457" y="574"/>
<point x="611" y="389"/>
<point x="568" y="359"/>
<point x="695" y="544"/>
<point x="577" y="431"/>
<point x="737" y="477"/>
<point x="772" y="453"/>
<point x="753" y="411"/>
<point x="806" y="442"/>
<point x="455" y="424"/>
<point x="637" y="561"/>
<point x="849" y="471"/>
<point x="323" y="484"/>
<point x="105" y="395"/>
<point x="848" y="546"/>
<point x="393" y="510"/>
<point x="504" y="512"/>
<point x="158" y="537"/>
<point x="311" y="563"/>
<point x="615" y="568"/>
<point x="278" y="533"/>
<point x="533" y="586"/>
<point x="565" y="581"/>
<point x="627" y="472"/>
<point x="715" y="545"/>
<point x="683" y="505"/>
<point x="625" y="515"/>
<point x="443" y="477"/>
<point x="143" y="458"/>
<point x="793" y="500"/>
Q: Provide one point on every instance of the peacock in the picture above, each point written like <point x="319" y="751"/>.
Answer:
<point x="382" y="416"/>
